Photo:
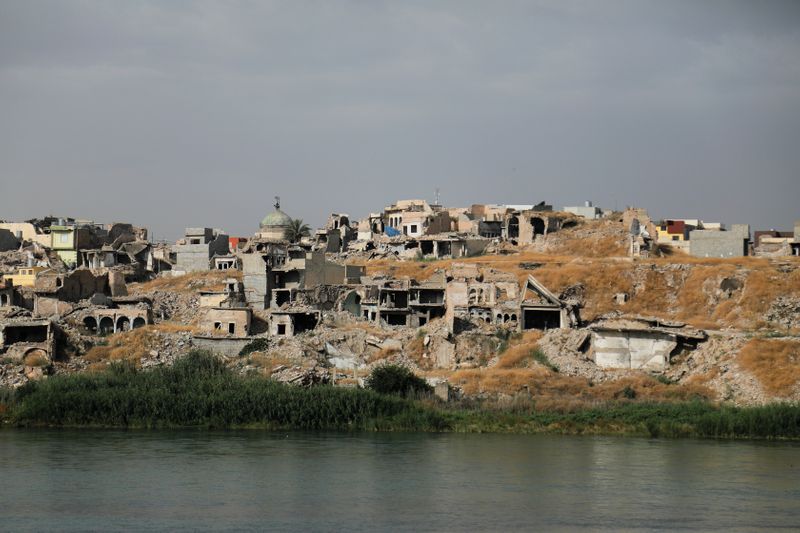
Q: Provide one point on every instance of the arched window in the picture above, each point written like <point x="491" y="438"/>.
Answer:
<point x="473" y="296"/>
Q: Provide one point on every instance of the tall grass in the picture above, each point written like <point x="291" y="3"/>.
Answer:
<point x="199" y="390"/>
<point x="682" y="419"/>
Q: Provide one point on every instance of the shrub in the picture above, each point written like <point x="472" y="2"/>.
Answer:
<point x="396" y="379"/>
<point x="199" y="390"/>
<point x="666" y="380"/>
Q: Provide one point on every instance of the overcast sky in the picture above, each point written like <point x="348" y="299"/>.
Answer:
<point x="175" y="114"/>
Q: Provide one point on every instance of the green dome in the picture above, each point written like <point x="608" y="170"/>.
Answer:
<point x="276" y="219"/>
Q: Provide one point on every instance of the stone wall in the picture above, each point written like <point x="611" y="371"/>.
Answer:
<point x="228" y="347"/>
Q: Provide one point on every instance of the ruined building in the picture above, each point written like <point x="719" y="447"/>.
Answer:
<point x="195" y="252"/>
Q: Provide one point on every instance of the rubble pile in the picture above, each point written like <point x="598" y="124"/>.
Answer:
<point x="785" y="312"/>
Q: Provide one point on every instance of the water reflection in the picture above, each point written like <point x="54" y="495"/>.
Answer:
<point x="78" y="480"/>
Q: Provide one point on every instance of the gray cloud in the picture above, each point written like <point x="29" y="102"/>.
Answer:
<point x="177" y="114"/>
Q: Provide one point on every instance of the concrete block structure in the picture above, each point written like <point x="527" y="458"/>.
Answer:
<point x="642" y="348"/>
<point x="194" y="252"/>
<point x="587" y="210"/>
<point x="635" y="349"/>
<point x="712" y="243"/>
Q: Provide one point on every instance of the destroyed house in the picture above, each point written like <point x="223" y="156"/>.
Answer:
<point x="123" y="313"/>
<point x="541" y="309"/>
<point x="28" y="232"/>
<point x="440" y="246"/>
<point x="489" y="297"/>
<point x="22" y="338"/>
<point x="415" y="218"/>
<point x="257" y="264"/>
<point x="232" y="295"/>
<point x="398" y="302"/>
<point x="225" y="262"/>
<point x="368" y="305"/>
<point x="273" y="276"/>
<point x="526" y="226"/>
<point x="194" y="253"/>
<point x="54" y="291"/>
<point x="645" y="344"/>
<point x="336" y="234"/>
<point x="288" y="323"/>
<point x="426" y="301"/>
<point x="393" y="308"/>
<point x="226" y="322"/>
<point x="135" y="255"/>
<point x="68" y="239"/>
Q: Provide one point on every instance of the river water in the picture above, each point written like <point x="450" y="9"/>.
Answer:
<point x="252" y="480"/>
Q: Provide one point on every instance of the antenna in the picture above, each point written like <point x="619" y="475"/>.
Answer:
<point x="277" y="202"/>
<point x="436" y="197"/>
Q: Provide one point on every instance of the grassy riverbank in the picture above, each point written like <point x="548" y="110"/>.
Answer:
<point x="199" y="391"/>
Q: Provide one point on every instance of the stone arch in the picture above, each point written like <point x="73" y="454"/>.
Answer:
<point x="499" y="318"/>
<point x="506" y="318"/>
<point x="106" y="325"/>
<point x="513" y="317"/>
<point x="138" y="322"/>
<point x="36" y="352"/>
<point x="352" y="303"/>
<point x="123" y="323"/>
<point x="90" y="323"/>
<point x="513" y="228"/>
<point x="538" y="225"/>
<point x="4" y="300"/>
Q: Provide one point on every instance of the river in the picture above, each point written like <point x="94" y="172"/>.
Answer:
<point x="70" y="480"/>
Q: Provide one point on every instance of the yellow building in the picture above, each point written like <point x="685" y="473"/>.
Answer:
<point x="68" y="240"/>
<point x="25" y="277"/>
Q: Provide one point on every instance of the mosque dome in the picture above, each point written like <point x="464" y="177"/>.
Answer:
<point x="274" y="225"/>
<point x="276" y="219"/>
